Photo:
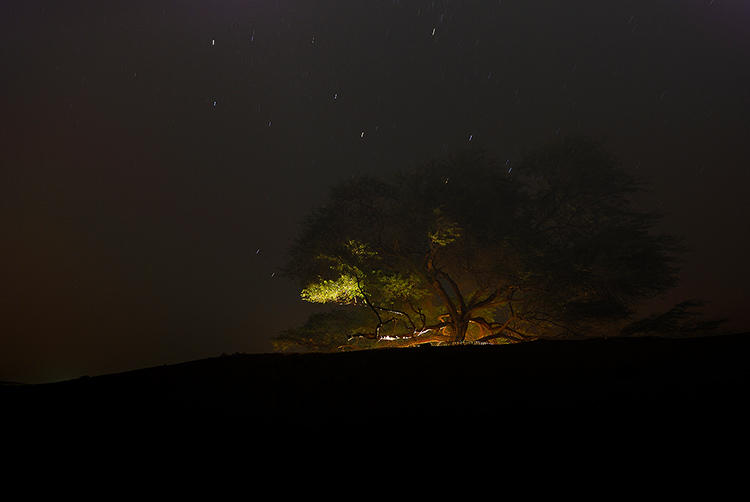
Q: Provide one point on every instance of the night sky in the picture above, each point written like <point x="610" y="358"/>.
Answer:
<point x="157" y="157"/>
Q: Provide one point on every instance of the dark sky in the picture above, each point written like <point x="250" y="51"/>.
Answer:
<point x="149" y="149"/>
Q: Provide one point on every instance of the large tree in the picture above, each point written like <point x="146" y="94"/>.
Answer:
<point x="463" y="247"/>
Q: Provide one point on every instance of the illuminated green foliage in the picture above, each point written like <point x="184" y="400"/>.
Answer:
<point x="397" y="286"/>
<point x="357" y="270"/>
<point x="343" y="290"/>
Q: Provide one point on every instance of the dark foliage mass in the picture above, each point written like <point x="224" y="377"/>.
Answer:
<point x="466" y="248"/>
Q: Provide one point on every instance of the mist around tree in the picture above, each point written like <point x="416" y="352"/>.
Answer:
<point x="468" y="249"/>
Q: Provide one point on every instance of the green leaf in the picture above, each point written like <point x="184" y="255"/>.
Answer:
<point x="343" y="290"/>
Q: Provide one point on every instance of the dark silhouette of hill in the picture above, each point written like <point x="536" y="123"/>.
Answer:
<point x="457" y="384"/>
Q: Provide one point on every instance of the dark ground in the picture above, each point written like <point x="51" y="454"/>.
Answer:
<point x="635" y="379"/>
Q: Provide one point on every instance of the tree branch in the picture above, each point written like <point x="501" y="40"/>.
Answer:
<point x="484" y="303"/>
<point x="455" y="288"/>
<point x="369" y="304"/>
<point x="431" y="273"/>
<point x="420" y="313"/>
<point x="493" y="334"/>
<point x="416" y="337"/>
<point x="398" y="312"/>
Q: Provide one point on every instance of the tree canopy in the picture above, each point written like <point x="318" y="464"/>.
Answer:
<point x="464" y="248"/>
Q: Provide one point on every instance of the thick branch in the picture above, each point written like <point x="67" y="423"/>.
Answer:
<point x="370" y="305"/>
<point x="494" y="332"/>
<point x="484" y="303"/>
<point x="521" y="336"/>
<point x="431" y="276"/>
<point x="456" y="290"/>
<point x="446" y="297"/>
<point x="426" y="337"/>
<point x="398" y="312"/>
<point x="434" y="330"/>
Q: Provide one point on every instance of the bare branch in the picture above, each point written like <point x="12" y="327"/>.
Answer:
<point x="398" y="312"/>
<point x="420" y="313"/>
<point x="370" y="305"/>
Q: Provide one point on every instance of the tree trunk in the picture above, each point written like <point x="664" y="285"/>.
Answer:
<point x="460" y="328"/>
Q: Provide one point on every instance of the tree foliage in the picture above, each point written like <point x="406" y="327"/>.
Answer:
<point x="462" y="249"/>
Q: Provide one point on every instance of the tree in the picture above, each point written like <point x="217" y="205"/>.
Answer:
<point x="462" y="248"/>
